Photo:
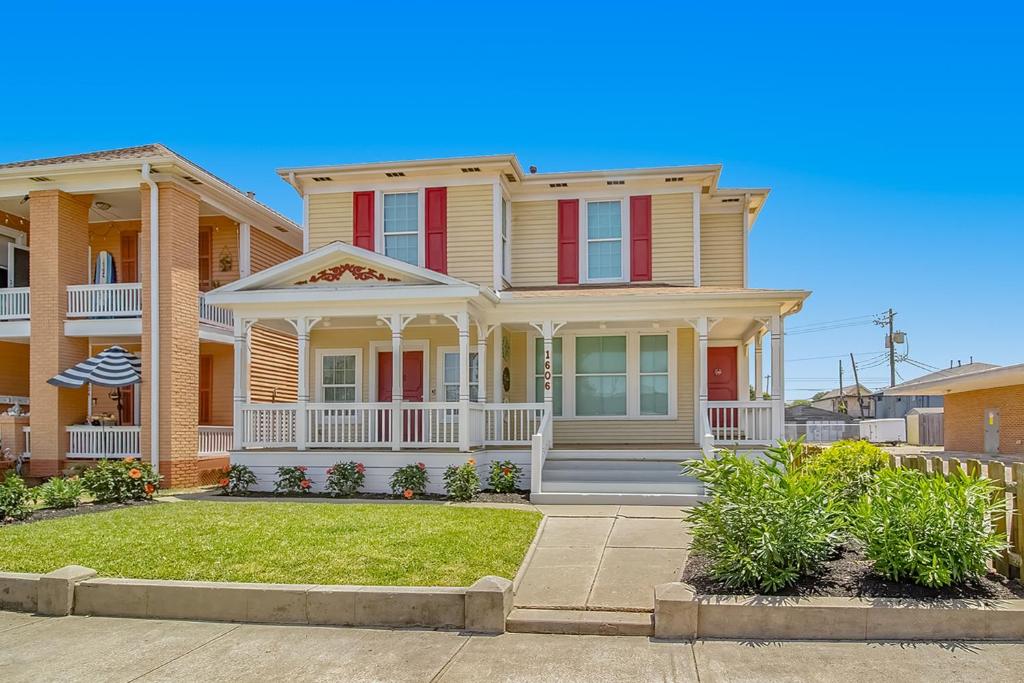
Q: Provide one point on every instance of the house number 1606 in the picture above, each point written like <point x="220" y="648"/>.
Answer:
<point x="547" y="370"/>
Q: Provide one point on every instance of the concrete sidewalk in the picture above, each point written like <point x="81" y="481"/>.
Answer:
<point x="108" y="649"/>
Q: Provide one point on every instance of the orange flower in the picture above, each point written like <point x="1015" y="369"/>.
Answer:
<point x="408" y="494"/>
<point x="135" y="473"/>
<point x="471" y="462"/>
<point x="129" y="459"/>
<point x="225" y="469"/>
<point x="223" y="483"/>
<point x="150" y="488"/>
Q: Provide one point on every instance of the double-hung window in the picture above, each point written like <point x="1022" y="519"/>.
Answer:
<point x="450" y="375"/>
<point x="339" y="377"/>
<point x="556" y="372"/>
<point x="506" y="243"/>
<point x="601" y="376"/>
<point x="604" y="240"/>
<point x="654" y="374"/>
<point x="401" y="226"/>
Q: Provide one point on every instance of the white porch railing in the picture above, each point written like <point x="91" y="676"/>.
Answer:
<point x="87" y="441"/>
<point x="370" y="425"/>
<point x="740" y="422"/>
<point x="215" y="440"/>
<point x="215" y="315"/>
<point x="118" y="300"/>
<point x="14" y="303"/>
<point x="539" y="447"/>
<point x="27" y="453"/>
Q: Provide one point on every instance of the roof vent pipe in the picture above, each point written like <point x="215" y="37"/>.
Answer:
<point x="533" y="169"/>
<point x="154" y="319"/>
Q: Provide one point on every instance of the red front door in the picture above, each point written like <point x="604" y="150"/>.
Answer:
<point x="412" y="390"/>
<point x="722" y="386"/>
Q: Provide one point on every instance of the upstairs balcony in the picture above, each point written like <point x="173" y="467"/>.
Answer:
<point x="116" y="309"/>
<point x="14" y="313"/>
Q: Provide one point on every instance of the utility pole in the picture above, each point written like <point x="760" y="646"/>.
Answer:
<point x="892" y="352"/>
<point x="856" y="378"/>
<point x="842" y="393"/>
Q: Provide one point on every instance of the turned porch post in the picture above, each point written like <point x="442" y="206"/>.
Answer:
<point x="703" y="427"/>
<point x="758" y="367"/>
<point x="778" y="379"/>
<point x="396" y="324"/>
<point x="241" y="387"/>
<point x="302" y="327"/>
<point x="462" y="320"/>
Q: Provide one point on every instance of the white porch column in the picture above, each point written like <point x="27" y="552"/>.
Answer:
<point x="758" y="367"/>
<point x="244" y="250"/>
<point x="462" y="320"/>
<point x="241" y="387"/>
<point x="482" y="333"/>
<point x="548" y="329"/>
<point x="703" y="425"/>
<point x="778" y="379"/>
<point x="395" y="323"/>
<point x="498" y="392"/>
<point x="302" y="327"/>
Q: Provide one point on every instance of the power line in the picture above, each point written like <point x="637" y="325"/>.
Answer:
<point x="838" y="355"/>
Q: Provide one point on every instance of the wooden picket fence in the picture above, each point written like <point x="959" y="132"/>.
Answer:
<point x="1009" y="483"/>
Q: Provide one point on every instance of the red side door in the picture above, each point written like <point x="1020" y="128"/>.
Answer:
<point x="722" y="386"/>
<point x="412" y="389"/>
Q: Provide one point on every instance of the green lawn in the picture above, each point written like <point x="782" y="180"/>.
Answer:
<point x="411" y="545"/>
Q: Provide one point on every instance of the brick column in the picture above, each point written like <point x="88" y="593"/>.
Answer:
<point x="59" y="257"/>
<point x="179" y="334"/>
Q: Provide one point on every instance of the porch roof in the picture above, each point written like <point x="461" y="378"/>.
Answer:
<point x="789" y="301"/>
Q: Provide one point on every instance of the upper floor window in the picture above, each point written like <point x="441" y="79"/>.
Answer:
<point x="401" y="226"/>
<point x="604" y="250"/>
<point x="506" y="242"/>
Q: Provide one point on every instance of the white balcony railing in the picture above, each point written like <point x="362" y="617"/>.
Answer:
<point x="14" y="303"/>
<point x="88" y="441"/>
<point x="215" y="440"/>
<point x="215" y="315"/>
<point x="27" y="453"/>
<point x="118" y="300"/>
<point x="370" y="425"/>
<point x="740" y="422"/>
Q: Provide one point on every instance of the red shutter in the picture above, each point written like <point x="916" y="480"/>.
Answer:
<point x="436" y="227"/>
<point x="640" y="237"/>
<point x="568" y="241"/>
<point x="362" y="219"/>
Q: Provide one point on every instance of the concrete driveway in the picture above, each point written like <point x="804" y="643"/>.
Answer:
<point x="107" y="649"/>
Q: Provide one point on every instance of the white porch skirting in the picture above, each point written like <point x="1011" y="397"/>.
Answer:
<point x="380" y="465"/>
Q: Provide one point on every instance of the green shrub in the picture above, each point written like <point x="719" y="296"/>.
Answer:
<point x="765" y="523"/>
<point x="846" y="468"/>
<point x="461" y="482"/>
<point x="345" y="478"/>
<point x="410" y="481"/>
<point x="930" y="530"/>
<point x="15" y="498"/>
<point x="119" y="481"/>
<point x="236" y="480"/>
<point x="59" y="494"/>
<point x="504" y="476"/>
<point x="292" y="480"/>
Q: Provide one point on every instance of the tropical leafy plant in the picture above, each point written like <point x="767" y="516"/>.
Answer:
<point x="236" y="480"/>
<point x="932" y="530"/>
<point x="766" y="523"/>
<point x="59" y="493"/>
<point x="504" y="476"/>
<point x="15" y="498"/>
<point x="410" y="481"/>
<point x="345" y="478"/>
<point x="846" y="468"/>
<point x="120" y="481"/>
<point x="461" y="482"/>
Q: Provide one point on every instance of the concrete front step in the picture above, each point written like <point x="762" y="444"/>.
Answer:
<point x="624" y="485"/>
<point x="608" y="498"/>
<point x="580" y="622"/>
<point x="673" y="456"/>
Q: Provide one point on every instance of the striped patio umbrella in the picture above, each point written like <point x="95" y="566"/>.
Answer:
<point x="114" y="367"/>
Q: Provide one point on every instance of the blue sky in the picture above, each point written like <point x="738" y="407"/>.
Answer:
<point x="891" y="136"/>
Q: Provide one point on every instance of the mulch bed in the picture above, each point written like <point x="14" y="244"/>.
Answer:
<point x="519" y="497"/>
<point x="850" y="574"/>
<point x="83" y="509"/>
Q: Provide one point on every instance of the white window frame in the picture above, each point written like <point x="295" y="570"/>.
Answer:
<point x="505" y="238"/>
<point x="534" y="375"/>
<point x="439" y="369"/>
<point x="584" y="241"/>
<point x="632" y="373"/>
<point x="321" y="354"/>
<point x="378" y="222"/>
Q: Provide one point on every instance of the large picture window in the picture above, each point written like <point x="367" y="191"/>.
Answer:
<point x="450" y="375"/>
<point x="654" y="375"/>
<point x="600" y="376"/>
<point x="339" y="377"/>
<point x="556" y="372"/>
<point x="604" y="240"/>
<point x="401" y="226"/>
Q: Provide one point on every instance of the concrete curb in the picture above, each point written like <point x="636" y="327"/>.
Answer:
<point x="680" y="614"/>
<point x="481" y="608"/>
<point x="521" y="572"/>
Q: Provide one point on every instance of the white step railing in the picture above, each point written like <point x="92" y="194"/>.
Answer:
<point x="27" y="453"/>
<point x="340" y="425"/>
<point x="268" y="425"/>
<point x="539" y="447"/>
<point x="14" y="303"/>
<point x="740" y="422"/>
<point x="87" y="441"/>
<point x="118" y="300"/>
<point x="426" y="425"/>
<point x="512" y="423"/>
<point x="215" y="440"/>
<point x="215" y="315"/>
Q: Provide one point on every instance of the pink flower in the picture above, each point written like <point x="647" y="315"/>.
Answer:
<point x="421" y="466"/>
<point x="360" y="468"/>
<point x="305" y="483"/>
<point x="330" y="470"/>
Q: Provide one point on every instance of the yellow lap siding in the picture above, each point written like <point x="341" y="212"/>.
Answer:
<point x="268" y="251"/>
<point x="721" y="249"/>
<point x="534" y="243"/>
<point x="274" y="366"/>
<point x="471" y="233"/>
<point x="672" y="235"/>
<point x="330" y="218"/>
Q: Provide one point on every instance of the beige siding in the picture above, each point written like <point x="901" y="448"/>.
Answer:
<point x="721" y="249"/>
<point x="534" y="243"/>
<point x="267" y="251"/>
<point x="672" y="233"/>
<point x="471" y="233"/>
<point x="520" y="374"/>
<point x="273" y="369"/>
<point x="674" y="433"/>
<point x="330" y="218"/>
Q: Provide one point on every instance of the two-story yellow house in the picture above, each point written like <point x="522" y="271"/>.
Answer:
<point x="595" y="327"/>
<point x="119" y="248"/>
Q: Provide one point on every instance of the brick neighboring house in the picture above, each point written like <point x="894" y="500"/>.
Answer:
<point x="56" y="216"/>
<point x="984" y="410"/>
